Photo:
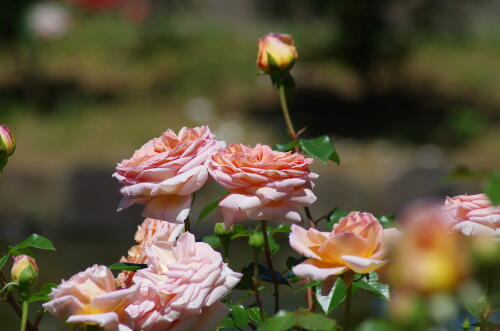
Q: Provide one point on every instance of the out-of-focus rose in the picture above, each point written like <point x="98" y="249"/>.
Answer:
<point x="181" y="287"/>
<point x="148" y="233"/>
<point x="281" y="48"/>
<point x="98" y="5"/>
<point x="263" y="184"/>
<point x="7" y="142"/>
<point x="90" y="297"/>
<point x="427" y="257"/>
<point x="165" y="172"/>
<point x="358" y="243"/>
<point x="473" y="215"/>
<point x="24" y="273"/>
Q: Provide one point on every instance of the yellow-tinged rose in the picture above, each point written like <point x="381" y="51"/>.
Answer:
<point x="277" y="52"/>
<point x="428" y="258"/>
<point x="7" y="142"/>
<point x="24" y="272"/>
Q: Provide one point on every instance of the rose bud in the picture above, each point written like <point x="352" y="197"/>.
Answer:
<point x="24" y="272"/>
<point x="277" y="52"/>
<point x="256" y="240"/>
<point x="7" y="142"/>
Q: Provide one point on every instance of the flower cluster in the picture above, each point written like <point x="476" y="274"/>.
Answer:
<point x="180" y="288"/>
<point x="264" y="184"/>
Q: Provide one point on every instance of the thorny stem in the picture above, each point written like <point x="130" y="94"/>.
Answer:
<point x="269" y="261"/>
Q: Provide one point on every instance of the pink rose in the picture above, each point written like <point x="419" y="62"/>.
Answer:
<point x="166" y="171"/>
<point x="148" y="233"/>
<point x="181" y="288"/>
<point x="90" y="297"/>
<point x="357" y="243"/>
<point x="473" y="215"/>
<point x="263" y="184"/>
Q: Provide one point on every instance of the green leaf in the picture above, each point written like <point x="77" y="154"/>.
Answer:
<point x="477" y="306"/>
<point x="15" y="250"/>
<point x="335" y="216"/>
<point x="246" y="282"/>
<point x="3" y="260"/>
<point x="36" y="241"/>
<point x="315" y="322"/>
<point x="282" y="321"/>
<point x="240" y="315"/>
<point x="212" y="240"/>
<point x="371" y="284"/>
<point x="282" y="228"/>
<point x="320" y="148"/>
<point x="387" y="221"/>
<point x="377" y="325"/>
<point x="43" y="295"/>
<point x="492" y="187"/>
<point x="227" y="323"/>
<point x="273" y="245"/>
<point x="286" y="147"/>
<point x="126" y="266"/>
<point x="254" y="314"/>
<point x="207" y="210"/>
<point x="334" y="298"/>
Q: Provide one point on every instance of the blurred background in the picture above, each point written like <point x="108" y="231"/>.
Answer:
<point x="407" y="89"/>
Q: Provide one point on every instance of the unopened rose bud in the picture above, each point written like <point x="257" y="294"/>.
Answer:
<point x="256" y="240"/>
<point x="7" y="142"/>
<point x="277" y="52"/>
<point x="24" y="272"/>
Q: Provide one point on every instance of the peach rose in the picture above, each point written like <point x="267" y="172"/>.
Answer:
<point x="473" y="215"/>
<point x="90" y="297"/>
<point x="148" y="233"/>
<point x="263" y="184"/>
<point x="181" y="287"/>
<point x="427" y="258"/>
<point x="358" y="243"/>
<point x="165" y="172"/>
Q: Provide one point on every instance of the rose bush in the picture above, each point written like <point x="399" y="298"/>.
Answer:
<point x="263" y="184"/>
<point x="165" y="172"/>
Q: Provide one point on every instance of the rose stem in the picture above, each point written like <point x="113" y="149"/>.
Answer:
<point x="14" y="305"/>
<point x="24" y="317"/>
<point x="187" y="225"/>
<point x="256" y="283"/>
<point x="286" y="113"/>
<point x="269" y="261"/>
<point x="347" y="311"/>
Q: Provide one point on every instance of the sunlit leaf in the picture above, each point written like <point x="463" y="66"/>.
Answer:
<point x="320" y="148"/>
<point x="227" y="323"/>
<point x="240" y="315"/>
<point x="126" y="266"/>
<point x="335" y="297"/>
<point x="36" y="241"/>
<point x="371" y="284"/>
<point x="255" y="315"/>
